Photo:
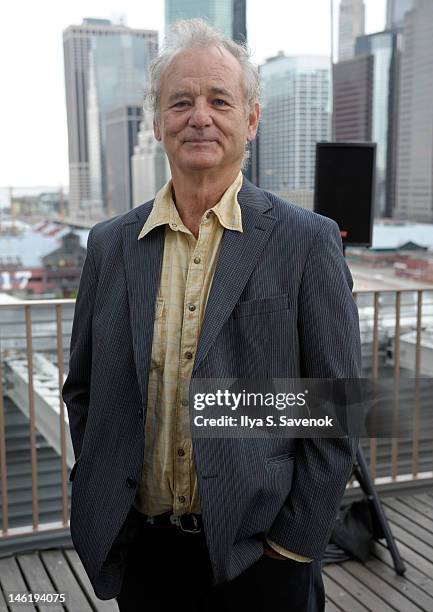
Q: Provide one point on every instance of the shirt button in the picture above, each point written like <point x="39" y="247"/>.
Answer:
<point x="188" y="355"/>
<point x="182" y="499"/>
<point x="174" y="225"/>
<point x="197" y="260"/>
<point x="181" y="452"/>
<point x="185" y="402"/>
<point x="191" y="307"/>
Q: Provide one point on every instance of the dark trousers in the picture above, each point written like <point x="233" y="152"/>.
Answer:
<point x="167" y="569"/>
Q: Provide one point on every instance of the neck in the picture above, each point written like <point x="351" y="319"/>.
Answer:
<point x="196" y="193"/>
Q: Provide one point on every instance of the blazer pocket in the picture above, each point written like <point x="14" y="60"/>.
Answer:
<point x="280" y="459"/>
<point x="261" y="306"/>
<point x="73" y="470"/>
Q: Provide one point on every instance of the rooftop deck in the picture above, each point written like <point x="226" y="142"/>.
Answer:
<point x="35" y="457"/>
<point x="350" y="586"/>
<point x="375" y="586"/>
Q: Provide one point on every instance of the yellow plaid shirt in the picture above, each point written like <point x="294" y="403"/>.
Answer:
<point x="169" y="480"/>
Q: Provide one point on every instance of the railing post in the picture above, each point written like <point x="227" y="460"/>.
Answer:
<point x="3" y="471"/>
<point x="416" y="420"/>
<point x="395" y="414"/>
<point x="65" y="511"/>
<point x="375" y="374"/>
<point x="34" y="462"/>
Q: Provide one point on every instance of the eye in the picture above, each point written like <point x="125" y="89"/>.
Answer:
<point x="219" y="102"/>
<point x="181" y="104"/>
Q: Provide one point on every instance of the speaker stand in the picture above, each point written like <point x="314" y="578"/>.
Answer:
<point x="362" y="474"/>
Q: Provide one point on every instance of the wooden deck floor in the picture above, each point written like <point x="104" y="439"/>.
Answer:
<point x="375" y="586"/>
<point x="53" y="571"/>
<point x="350" y="586"/>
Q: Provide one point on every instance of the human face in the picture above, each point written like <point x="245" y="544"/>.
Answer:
<point x="202" y="120"/>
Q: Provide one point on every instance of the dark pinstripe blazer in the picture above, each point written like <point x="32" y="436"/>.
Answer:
<point x="280" y="305"/>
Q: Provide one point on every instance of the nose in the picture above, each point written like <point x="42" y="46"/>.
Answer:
<point x="200" y="116"/>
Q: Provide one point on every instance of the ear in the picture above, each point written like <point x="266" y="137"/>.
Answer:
<point x="157" y="130"/>
<point x="253" y="121"/>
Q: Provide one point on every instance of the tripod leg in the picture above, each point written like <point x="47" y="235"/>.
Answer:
<point x="363" y="476"/>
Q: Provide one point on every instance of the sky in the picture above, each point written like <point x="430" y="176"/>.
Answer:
<point x="33" y="129"/>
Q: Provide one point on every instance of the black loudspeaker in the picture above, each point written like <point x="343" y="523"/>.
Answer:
<point x="344" y="188"/>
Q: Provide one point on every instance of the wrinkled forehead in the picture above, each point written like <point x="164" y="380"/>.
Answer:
<point x="202" y="69"/>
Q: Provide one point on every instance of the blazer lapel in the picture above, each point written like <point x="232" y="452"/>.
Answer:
<point x="142" y="259"/>
<point x="238" y="256"/>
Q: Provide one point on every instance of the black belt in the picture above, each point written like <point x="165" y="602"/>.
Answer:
<point x="188" y="523"/>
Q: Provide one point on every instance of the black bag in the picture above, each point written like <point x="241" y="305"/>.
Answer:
<point x="353" y="534"/>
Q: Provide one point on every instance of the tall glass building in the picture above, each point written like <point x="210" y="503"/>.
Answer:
<point x="240" y="20"/>
<point x="351" y="23"/>
<point x="383" y="47"/>
<point x="415" y="129"/>
<point x="353" y="86"/>
<point x="295" y="115"/>
<point x="122" y="126"/>
<point x="219" y="13"/>
<point x="105" y="69"/>
<point x="395" y="12"/>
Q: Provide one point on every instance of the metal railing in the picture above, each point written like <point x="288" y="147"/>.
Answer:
<point x="385" y="318"/>
<point x="12" y="341"/>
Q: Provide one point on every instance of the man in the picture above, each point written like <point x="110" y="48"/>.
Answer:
<point x="213" y="279"/>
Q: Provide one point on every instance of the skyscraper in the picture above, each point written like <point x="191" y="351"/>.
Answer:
<point x="353" y="93"/>
<point x="105" y="68"/>
<point x="395" y="12"/>
<point x="219" y="13"/>
<point x="239" y="33"/>
<point x="383" y="47"/>
<point x="295" y="116"/>
<point x="415" y="129"/>
<point x="366" y="106"/>
<point x="351" y="25"/>
<point x="122" y="131"/>
<point x="150" y="168"/>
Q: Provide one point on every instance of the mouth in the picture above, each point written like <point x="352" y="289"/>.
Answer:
<point x="199" y="141"/>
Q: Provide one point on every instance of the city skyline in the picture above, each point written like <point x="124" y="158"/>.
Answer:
<point x="106" y="70"/>
<point x="35" y="150"/>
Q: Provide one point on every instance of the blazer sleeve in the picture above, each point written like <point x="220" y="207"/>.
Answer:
<point x="76" y="389"/>
<point x="330" y="347"/>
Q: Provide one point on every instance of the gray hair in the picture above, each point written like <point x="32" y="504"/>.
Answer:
<point x="192" y="33"/>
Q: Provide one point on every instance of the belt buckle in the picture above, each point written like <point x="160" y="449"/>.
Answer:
<point x="182" y="524"/>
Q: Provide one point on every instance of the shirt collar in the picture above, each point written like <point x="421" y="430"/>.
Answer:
<point x="164" y="211"/>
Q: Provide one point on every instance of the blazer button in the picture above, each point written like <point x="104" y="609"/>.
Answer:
<point x="140" y="413"/>
<point x="131" y="483"/>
